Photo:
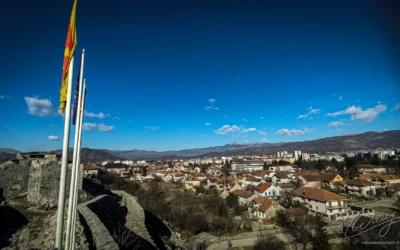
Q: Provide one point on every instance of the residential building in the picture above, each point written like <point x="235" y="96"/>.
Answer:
<point x="264" y="208"/>
<point x="244" y="196"/>
<point x="321" y="201"/>
<point x="280" y="177"/>
<point x="310" y="180"/>
<point x="361" y="187"/>
<point x="90" y="171"/>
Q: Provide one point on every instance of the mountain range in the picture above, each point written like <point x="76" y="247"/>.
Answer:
<point x="368" y="140"/>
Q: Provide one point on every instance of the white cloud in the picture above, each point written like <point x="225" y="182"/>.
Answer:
<point x="207" y="124"/>
<point x="104" y="128"/>
<point x="243" y="119"/>
<point x="53" y="138"/>
<point x="211" y="107"/>
<point x="335" y="124"/>
<point x="264" y="139"/>
<point x="116" y="118"/>
<point x="397" y="106"/>
<point x="340" y="98"/>
<point x="262" y="132"/>
<point x="4" y="96"/>
<point x="262" y="118"/>
<point x="357" y="113"/>
<point x="93" y="115"/>
<point x="212" y="100"/>
<point x="311" y="112"/>
<point x="39" y="107"/>
<point x="89" y="126"/>
<point x="226" y="129"/>
<point x="248" y="130"/>
<point x="378" y="102"/>
<point x="287" y="132"/>
<point x="152" y="128"/>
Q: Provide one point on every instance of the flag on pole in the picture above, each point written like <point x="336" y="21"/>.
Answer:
<point x="74" y="115"/>
<point x="70" y="45"/>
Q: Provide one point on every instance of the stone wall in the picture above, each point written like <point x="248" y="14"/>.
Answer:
<point x="38" y="178"/>
<point x="14" y="177"/>
<point x="100" y="235"/>
<point x="135" y="219"/>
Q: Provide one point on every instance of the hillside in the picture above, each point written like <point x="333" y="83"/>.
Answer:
<point x="368" y="140"/>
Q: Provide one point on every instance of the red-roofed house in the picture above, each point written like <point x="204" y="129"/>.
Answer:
<point x="361" y="187"/>
<point x="321" y="201"/>
<point x="192" y="182"/>
<point x="264" y="208"/>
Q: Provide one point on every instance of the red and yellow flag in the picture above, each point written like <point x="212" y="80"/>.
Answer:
<point x="70" y="45"/>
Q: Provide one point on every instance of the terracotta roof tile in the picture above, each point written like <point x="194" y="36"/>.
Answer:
<point x="262" y="187"/>
<point x="317" y="194"/>
<point x="360" y="182"/>
<point x="243" y="193"/>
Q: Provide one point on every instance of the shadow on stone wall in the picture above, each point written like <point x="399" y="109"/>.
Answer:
<point x="11" y="220"/>
<point x="157" y="229"/>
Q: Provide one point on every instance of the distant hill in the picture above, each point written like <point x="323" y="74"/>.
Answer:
<point x="368" y="140"/>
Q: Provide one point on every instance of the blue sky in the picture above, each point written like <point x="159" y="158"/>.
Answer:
<point x="181" y="74"/>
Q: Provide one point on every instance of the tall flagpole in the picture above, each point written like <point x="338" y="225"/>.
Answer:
<point x="78" y="164"/>
<point x="64" y="161"/>
<point x="72" y="194"/>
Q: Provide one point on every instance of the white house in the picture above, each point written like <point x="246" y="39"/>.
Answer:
<point x="361" y="187"/>
<point x="244" y="196"/>
<point x="264" y="208"/>
<point x="321" y="201"/>
<point x="280" y="177"/>
<point x="268" y="191"/>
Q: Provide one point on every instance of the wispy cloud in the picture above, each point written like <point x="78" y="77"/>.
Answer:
<point x="397" y="106"/>
<point x="89" y="126"/>
<point x="211" y="108"/>
<point x="264" y="139"/>
<point x="212" y="100"/>
<point x="311" y="112"/>
<point x="340" y="98"/>
<point x="39" y="107"/>
<point x="4" y="96"/>
<point x="93" y="115"/>
<point x="53" y="138"/>
<point x="262" y="132"/>
<point x="104" y="128"/>
<point x="207" y="124"/>
<point x="357" y="113"/>
<point x="225" y="116"/>
<point x="152" y="128"/>
<point x="40" y="144"/>
<point x="287" y="132"/>
<point x="238" y="79"/>
<point x="262" y="118"/>
<point x="227" y="129"/>
<point x="335" y="124"/>
<point x="116" y="118"/>
<point x="243" y="119"/>
<point x="248" y="130"/>
<point x="9" y="128"/>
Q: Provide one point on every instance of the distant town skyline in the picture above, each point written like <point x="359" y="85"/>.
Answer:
<point x="183" y="75"/>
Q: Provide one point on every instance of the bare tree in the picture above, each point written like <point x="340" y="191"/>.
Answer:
<point x="125" y="237"/>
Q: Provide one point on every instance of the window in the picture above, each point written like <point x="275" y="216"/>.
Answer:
<point x="316" y="207"/>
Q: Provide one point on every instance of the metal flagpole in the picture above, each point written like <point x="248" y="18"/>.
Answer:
<point x="78" y="165"/>
<point x="72" y="194"/>
<point x="64" y="161"/>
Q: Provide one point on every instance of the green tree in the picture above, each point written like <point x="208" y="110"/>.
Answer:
<point x="320" y="240"/>
<point x="376" y="161"/>
<point x="265" y="167"/>
<point x="319" y="166"/>
<point x="232" y="200"/>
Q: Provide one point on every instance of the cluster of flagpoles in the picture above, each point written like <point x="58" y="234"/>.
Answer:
<point x="77" y="120"/>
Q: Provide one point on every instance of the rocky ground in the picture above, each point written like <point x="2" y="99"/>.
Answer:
<point x="39" y="233"/>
